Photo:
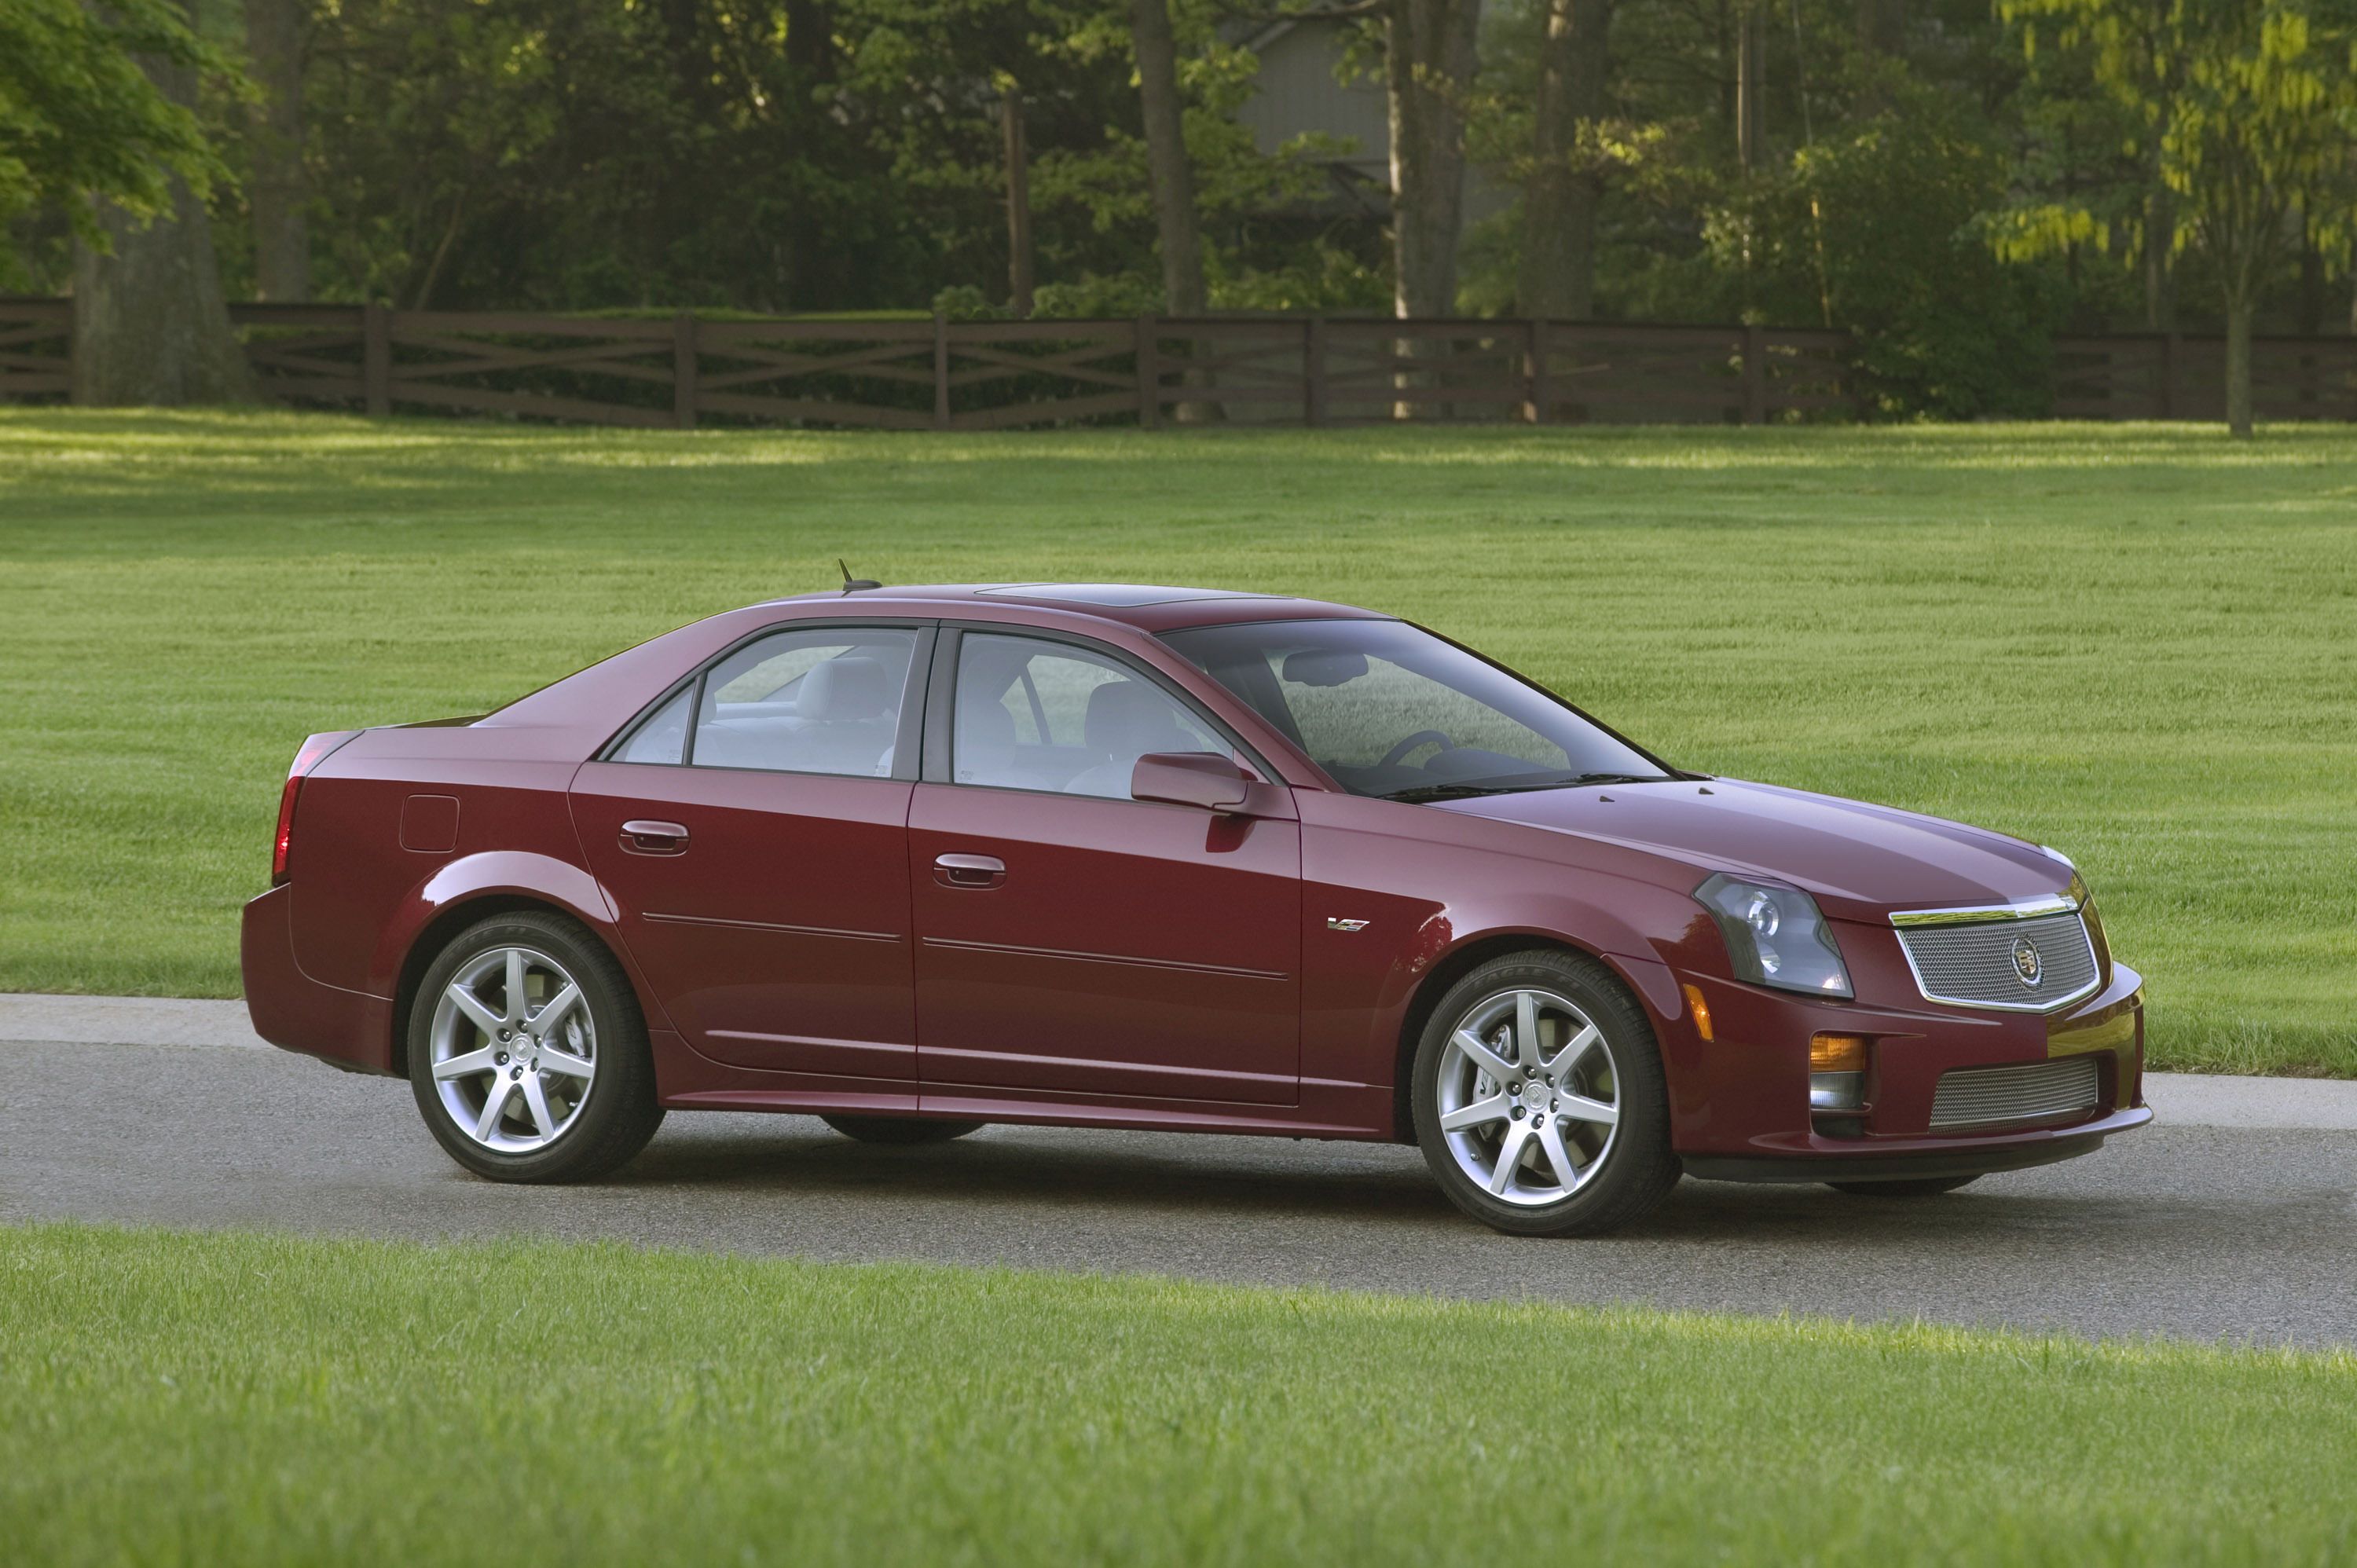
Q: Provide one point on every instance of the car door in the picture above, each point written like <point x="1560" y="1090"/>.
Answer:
<point x="1070" y="939"/>
<point x="753" y="830"/>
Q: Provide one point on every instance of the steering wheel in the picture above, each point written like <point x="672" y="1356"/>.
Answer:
<point x="1393" y="757"/>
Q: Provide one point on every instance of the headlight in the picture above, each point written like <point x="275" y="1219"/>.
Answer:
<point x="1775" y="935"/>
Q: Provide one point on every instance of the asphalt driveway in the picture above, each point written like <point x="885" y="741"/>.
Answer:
<point x="2246" y="1231"/>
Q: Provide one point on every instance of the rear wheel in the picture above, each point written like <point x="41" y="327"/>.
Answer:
<point x="527" y="1053"/>
<point x="1921" y="1187"/>
<point x="1540" y="1101"/>
<point x="899" y="1129"/>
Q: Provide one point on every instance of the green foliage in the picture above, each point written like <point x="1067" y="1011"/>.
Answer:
<point x="79" y="118"/>
<point x="2244" y="110"/>
<point x="1880" y="232"/>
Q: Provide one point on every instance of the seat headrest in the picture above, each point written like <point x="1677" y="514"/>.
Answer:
<point x="1129" y="719"/>
<point x="849" y="687"/>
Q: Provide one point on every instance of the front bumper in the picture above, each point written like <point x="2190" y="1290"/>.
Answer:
<point x="1739" y="1102"/>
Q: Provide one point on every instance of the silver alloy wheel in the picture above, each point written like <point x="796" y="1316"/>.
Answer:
<point x="1528" y="1097"/>
<point x="514" y="1050"/>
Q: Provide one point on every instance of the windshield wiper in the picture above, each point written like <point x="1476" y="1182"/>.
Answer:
<point x="1418" y="794"/>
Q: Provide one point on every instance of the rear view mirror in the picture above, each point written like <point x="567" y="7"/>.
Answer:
<point x="1198" y="779"/>
<point x="1323" y="667"/>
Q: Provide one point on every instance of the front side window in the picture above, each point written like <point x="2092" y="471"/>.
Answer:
<point x="1034" y="715"/>
<point x="1390" y="710"/>
<point x="819" y="701"/>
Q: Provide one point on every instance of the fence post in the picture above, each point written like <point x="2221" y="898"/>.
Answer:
<point x="682" y="370"/>
<point x="941" y="371"/>
<point x="376" y="359"/>
<point x="1536" y="370"/>
<point x="2167" y="387"/>
<point x="1755" y="376"/>
<point x="1148" y="353"/>
<point x="1313" y="372"/>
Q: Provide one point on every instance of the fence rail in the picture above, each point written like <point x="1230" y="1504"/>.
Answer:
<point x="915" y="374"/>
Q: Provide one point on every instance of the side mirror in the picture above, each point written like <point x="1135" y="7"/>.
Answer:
<point x="1198" y="778"/>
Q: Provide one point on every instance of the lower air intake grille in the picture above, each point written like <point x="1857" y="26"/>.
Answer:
<point x="2034" y="1092"/>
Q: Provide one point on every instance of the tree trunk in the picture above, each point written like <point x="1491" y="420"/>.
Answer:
<point x="149" y="324"/>
<point x="2159" y="256"/>
<point x="810" y="38"/>
<point x="1018" y="202"/>
<point x="1882" y="42"/>
<point x="1167" y="167"/>
<point x="1428" y="67"/>
<point x="278" y="190"/>
<point x="1881" y="27"/>
<point x="1558" y="260"/>
<point x="1751" y="82"/>
<point x="2240" y="305"/>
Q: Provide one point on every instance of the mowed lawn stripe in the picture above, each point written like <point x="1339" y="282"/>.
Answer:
<point x="2135" y="642"/>
<point x="248" y="1400"/>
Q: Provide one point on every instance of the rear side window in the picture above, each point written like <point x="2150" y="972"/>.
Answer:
<point x="819" y="701"/>
<point x="662" y="737"/>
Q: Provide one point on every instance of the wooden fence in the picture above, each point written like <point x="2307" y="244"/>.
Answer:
<point x="916" y="374"/>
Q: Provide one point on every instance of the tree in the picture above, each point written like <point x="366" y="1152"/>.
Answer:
<point x="1169" y="168"/>
<point x="1428" y="60"/>
<point x="2254" y="117"/>
<point x="1560" y="198"/>
<point x="277" y="189"/>
<point x="149" y="323"/>
<point x="80" y="119"/>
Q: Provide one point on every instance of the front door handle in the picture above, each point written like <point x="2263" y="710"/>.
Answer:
<point x="655" y="838"/>
<point x="969" y="870"/>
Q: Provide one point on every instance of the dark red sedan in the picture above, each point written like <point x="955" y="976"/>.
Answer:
<point x="919" y="859"/>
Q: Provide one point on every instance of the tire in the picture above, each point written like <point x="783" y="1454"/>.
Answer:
<point x="1622" y="1169"/>
<point x="903" y="1130"/>
<point x="554" y="1122"/>
<point x="1919" y="1187"/>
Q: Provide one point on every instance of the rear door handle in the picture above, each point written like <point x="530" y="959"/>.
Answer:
<point x="969" y="870"/>
<point x="655" y="838"/>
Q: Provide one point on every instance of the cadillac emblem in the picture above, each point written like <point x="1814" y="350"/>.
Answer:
<point x="2026" y="967"/>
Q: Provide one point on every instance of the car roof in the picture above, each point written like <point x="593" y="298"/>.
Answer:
<point x="1150" y="607"/>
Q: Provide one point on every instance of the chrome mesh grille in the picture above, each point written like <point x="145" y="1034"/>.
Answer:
<point x="1977" y="964"/>
<point x="2033" y="1091"/>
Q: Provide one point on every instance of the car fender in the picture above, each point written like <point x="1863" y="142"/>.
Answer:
<point x="490" y="873"/>
<point x="1615" y="936"/>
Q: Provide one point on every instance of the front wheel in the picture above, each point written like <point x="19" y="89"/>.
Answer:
<point x="1540" y="1101"/>
<point x="527" y="1053"/>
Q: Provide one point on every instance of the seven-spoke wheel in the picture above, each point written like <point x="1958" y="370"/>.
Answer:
<point x="514" y="1051"/>
<point x="528" y="1055"/>
<point x="1528" y="1096"/>
<point x="1540" y="1101"/>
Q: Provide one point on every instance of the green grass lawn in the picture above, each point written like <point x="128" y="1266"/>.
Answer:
<point x="2138" y="644"/>
<point x="249" y="1400"/>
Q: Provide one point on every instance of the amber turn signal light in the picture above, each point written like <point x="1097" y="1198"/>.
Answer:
<point x="1701" y="1012"/>
<point x="1836" y="1053"/>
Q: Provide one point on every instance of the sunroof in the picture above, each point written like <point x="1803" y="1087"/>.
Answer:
<point x="1113" y="596"/>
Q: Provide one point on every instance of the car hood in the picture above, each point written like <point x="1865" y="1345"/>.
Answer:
<point x="1860" y="861"/>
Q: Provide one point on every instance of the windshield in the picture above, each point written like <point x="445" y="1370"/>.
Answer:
<point x="1390" y="710"/>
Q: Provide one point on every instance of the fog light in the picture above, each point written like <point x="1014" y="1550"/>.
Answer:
<point x="1837" y="1090"/>
<point x="1836" y="1072"/>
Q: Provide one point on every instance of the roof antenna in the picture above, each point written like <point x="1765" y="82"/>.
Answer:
<point x="852" y="585"/>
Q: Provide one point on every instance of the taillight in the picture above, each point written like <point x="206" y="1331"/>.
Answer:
<point x="313" y="750"/>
